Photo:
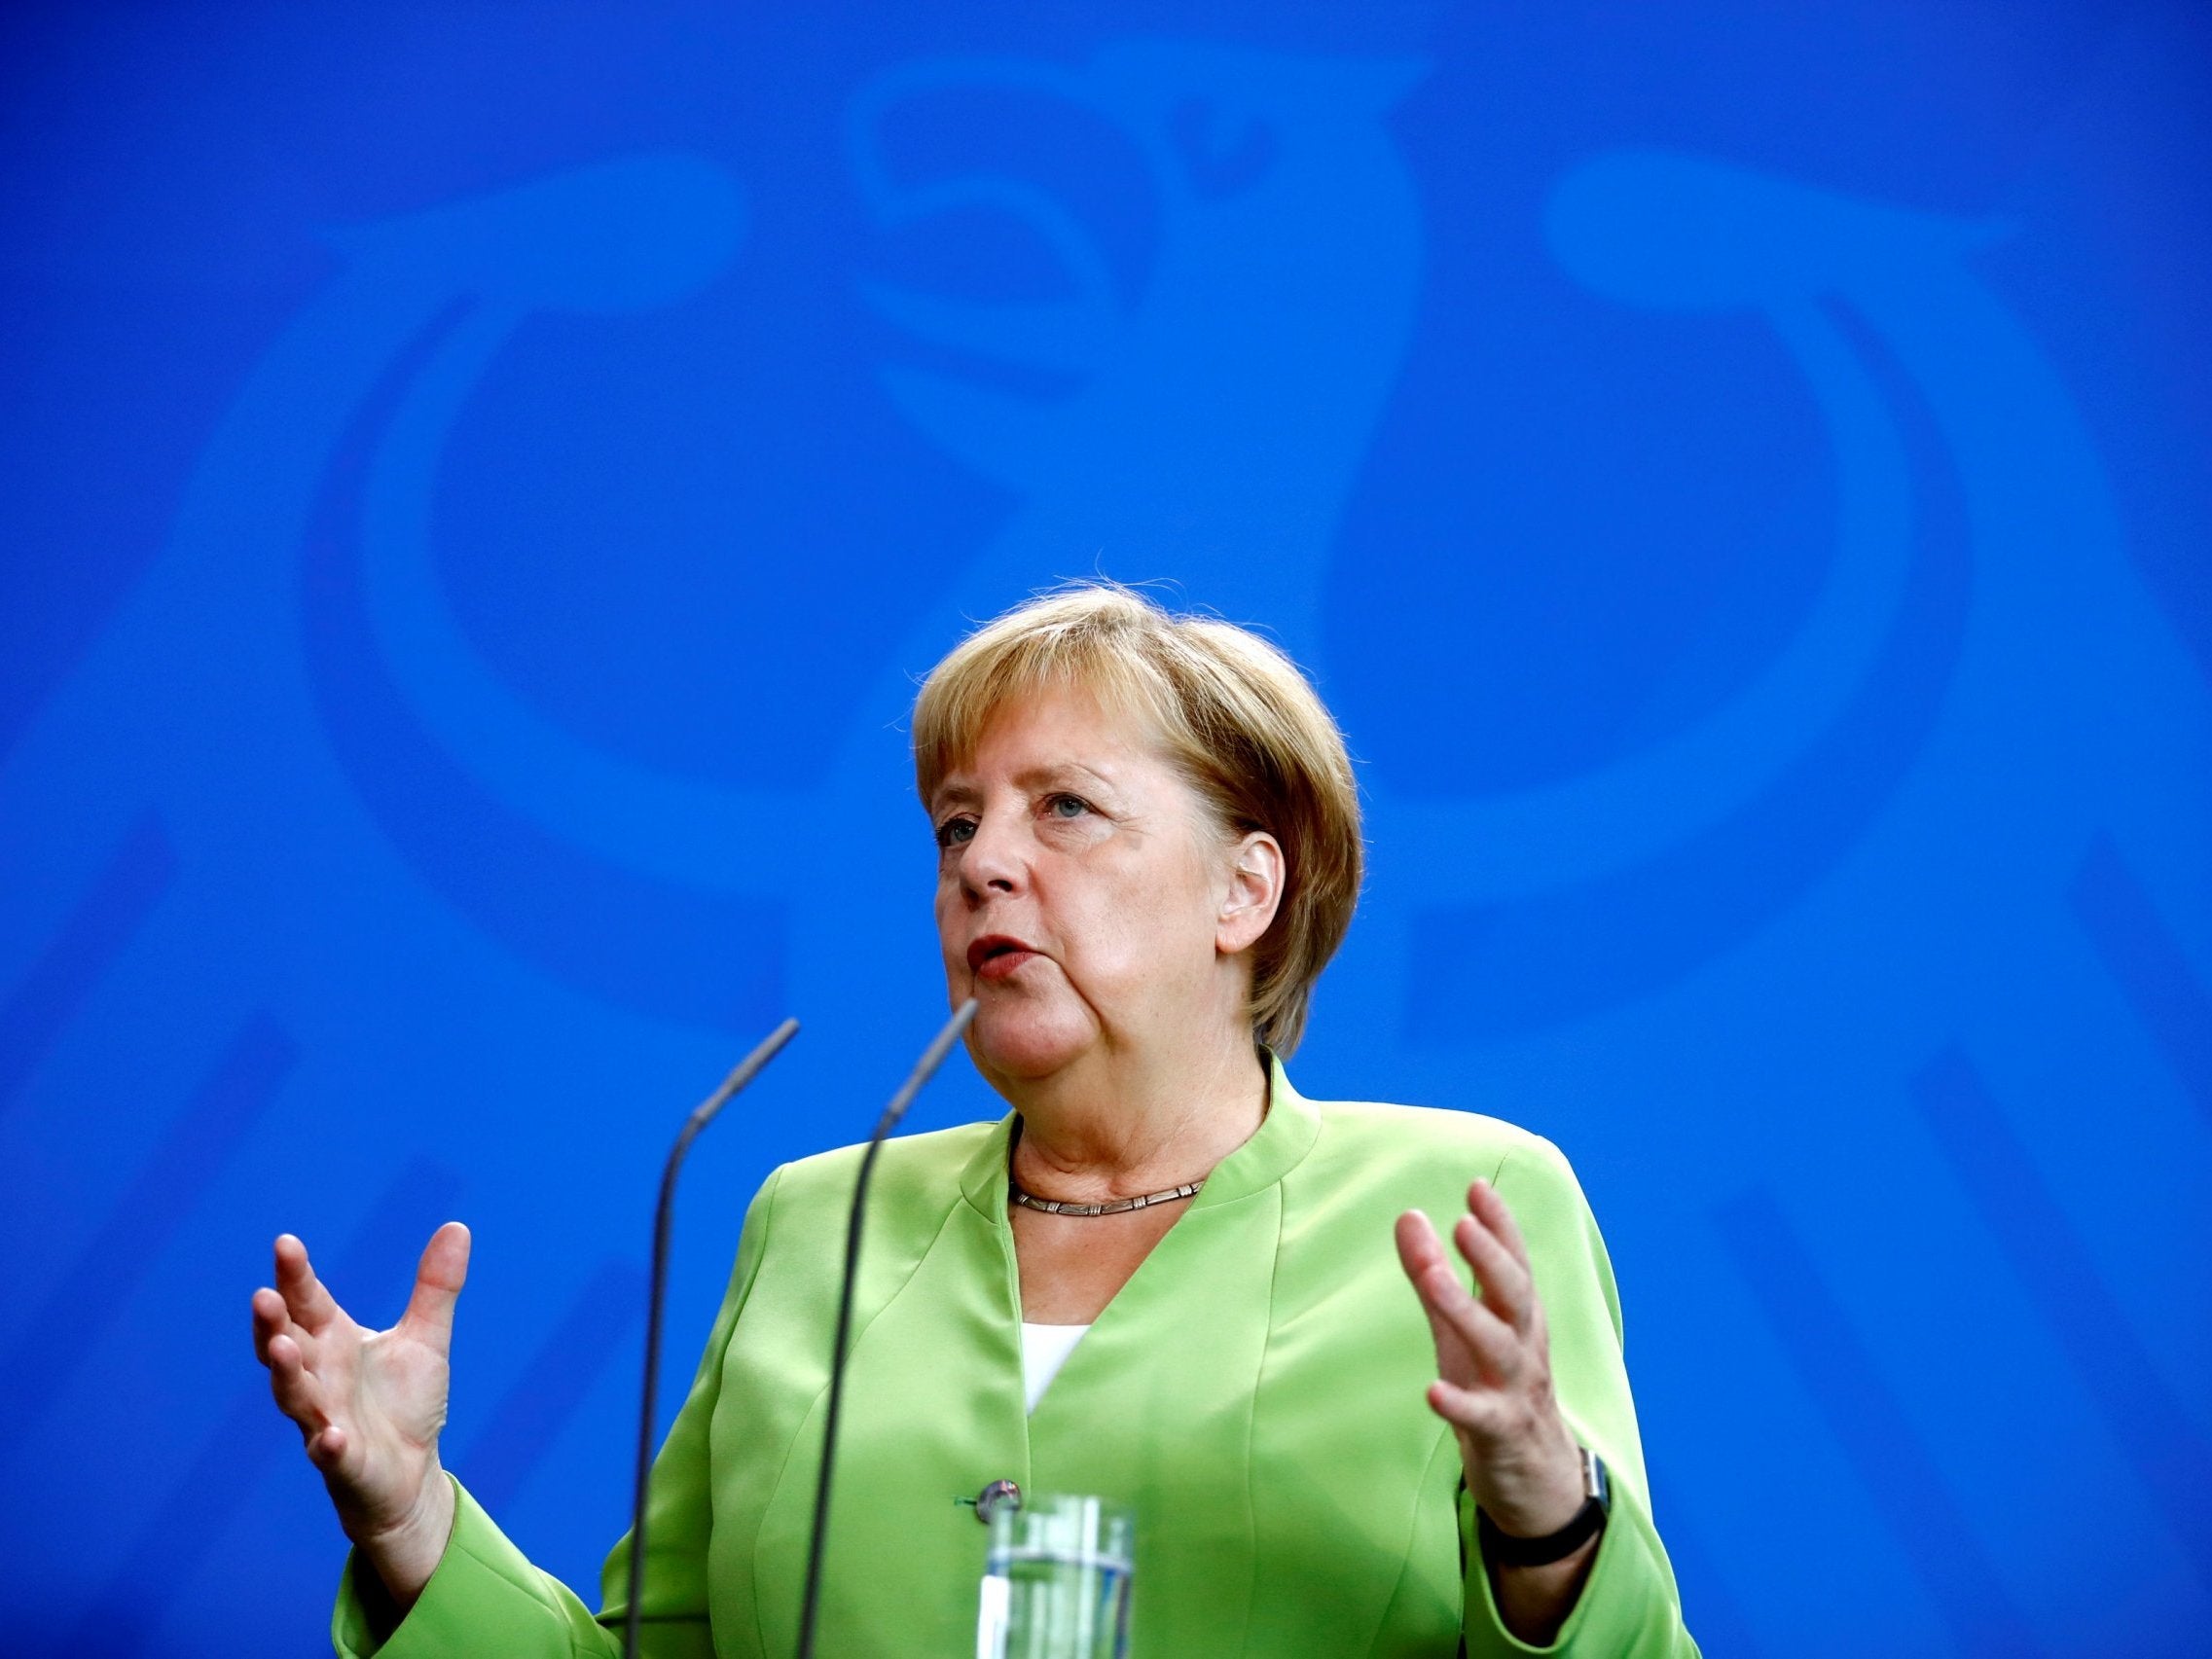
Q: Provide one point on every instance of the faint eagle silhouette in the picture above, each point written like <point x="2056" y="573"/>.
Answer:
<point x="350" y="826"/>
<point x="1212" y="425"/>
<point x="366" y="837"/>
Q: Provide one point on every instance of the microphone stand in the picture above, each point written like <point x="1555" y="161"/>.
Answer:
<point x="927" y="1067"/>
<point x="746" y="1071"/>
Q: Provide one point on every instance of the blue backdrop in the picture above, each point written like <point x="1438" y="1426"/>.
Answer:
<point x="480" y="479"/>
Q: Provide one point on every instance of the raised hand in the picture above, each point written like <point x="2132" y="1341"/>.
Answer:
<point x="371" y="1403"/>
<point x="1494" y="1387"/>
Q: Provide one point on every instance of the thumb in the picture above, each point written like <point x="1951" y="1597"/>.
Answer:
<point x="438" y="1281"/>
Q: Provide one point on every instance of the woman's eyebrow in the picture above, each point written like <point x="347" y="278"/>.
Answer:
<point x="1058" y="774"/>
<point x="1061" y="773"/>
<point x="955" y="795"/>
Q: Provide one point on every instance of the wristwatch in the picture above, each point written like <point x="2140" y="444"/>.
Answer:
<point x="1503" y="1549"/>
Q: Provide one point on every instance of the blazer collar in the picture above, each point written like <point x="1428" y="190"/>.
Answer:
<point x="1285" y="1135"/>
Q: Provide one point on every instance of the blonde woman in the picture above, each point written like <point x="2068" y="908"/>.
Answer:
<point x="1164" y="1277"/>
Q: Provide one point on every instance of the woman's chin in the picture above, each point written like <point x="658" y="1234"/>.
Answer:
<point x="1024" y="1043"/>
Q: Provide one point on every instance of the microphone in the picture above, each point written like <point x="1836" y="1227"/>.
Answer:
<point x="924" y="1068"/>
<point x="746" y="1071"/>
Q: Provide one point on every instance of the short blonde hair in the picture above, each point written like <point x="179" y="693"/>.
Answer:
<point x="1229" y="708"/>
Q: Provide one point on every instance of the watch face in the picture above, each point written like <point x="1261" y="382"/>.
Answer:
<point x="1595" y="1480"/>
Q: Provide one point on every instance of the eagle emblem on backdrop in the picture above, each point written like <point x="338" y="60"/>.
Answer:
<point x="290" y="782"/>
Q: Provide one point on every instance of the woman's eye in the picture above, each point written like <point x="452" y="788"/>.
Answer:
<point x="956" y="832"/>
<point x="1067" y="806"/>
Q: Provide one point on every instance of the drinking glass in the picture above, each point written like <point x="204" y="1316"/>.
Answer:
<point x="1056" y="1584"/>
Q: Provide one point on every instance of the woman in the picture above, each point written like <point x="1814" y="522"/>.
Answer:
<point x="1148" y="847"/>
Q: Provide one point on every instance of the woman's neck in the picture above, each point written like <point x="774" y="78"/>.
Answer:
<point x="1119" y="1125"/>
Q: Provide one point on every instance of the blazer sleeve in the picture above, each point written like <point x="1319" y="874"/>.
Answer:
<point x="484" y="1597"/>
<point x="1629" y="1608"/>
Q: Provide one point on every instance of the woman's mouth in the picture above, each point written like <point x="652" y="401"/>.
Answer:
<point x="996" y="956"/>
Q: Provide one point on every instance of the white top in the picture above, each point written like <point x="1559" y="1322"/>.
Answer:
<point x="1044" y="1351"/>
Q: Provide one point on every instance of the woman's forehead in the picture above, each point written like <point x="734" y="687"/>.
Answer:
<point x="1056" y="732"/>
<point x="1054" y="713"/>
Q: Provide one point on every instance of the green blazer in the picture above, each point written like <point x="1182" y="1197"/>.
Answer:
<point x="1256" y="1390"/>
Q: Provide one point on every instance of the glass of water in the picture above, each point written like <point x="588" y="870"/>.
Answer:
<point x="1056" y="1585"/>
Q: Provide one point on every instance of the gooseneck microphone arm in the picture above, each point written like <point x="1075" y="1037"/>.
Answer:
<point x="924" y="1068"/>
<point x="746" y="1071"/>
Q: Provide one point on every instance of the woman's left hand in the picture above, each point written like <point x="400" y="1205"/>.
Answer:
<point x="1494" y="1367"/>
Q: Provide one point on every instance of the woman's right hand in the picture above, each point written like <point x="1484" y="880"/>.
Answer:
<point x="371" y="1403"/>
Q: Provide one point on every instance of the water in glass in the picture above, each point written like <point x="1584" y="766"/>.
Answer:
<point x="1056" y="1582"/>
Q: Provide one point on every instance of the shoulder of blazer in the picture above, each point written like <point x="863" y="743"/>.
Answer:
<point x="912" y="1171"/>
<point x="1378" y="1131"/>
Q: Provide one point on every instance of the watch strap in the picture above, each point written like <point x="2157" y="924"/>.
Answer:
<point x="1504" y="1549"/>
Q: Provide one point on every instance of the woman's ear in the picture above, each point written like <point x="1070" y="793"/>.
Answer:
<point x="1256" y="873"/>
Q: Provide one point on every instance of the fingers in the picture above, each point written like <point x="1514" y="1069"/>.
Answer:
<point x="1506" y="1287"/>
<point x="1455" y="1316"/>
<point x="326" y="1449"/>
<point x="268" y="1320"/>
<point x="1473" y="1409"/>
<point x="277" y="1344"/>
<point x="305" y="1297"/>
<point x="1418" y="1249"/>
<point x="438" y="1281"/>
<point x="1421" y="1254"/>
<point x="1502" y="1276"/>
<point x="1494" y="1345"/>
<point x="299" y="1396"/>
<point x="1490" y="1344"/>
<point x="1483" y="1202"/>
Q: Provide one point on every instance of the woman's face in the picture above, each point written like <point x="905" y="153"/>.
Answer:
<point x="1086" y="895"/>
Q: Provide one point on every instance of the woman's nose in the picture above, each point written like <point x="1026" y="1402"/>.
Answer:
<point x="991" y="862"/>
